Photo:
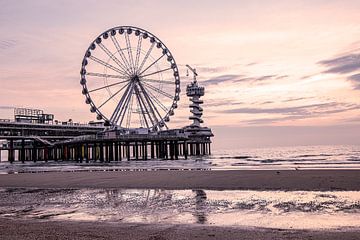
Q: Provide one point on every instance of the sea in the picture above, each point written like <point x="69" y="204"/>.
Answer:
<point x="298" y="157"/>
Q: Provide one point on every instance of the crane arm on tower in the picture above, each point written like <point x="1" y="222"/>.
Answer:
<point x="193" y="71"/>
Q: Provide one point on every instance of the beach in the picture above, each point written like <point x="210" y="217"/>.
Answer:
<point x="259" y="180"/>
<point x="18" y="229"/>
<point x="310" y="180"/>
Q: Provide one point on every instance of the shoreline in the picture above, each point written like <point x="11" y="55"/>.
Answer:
<point x="38" y="229"/>
<point x="287" y="180"/>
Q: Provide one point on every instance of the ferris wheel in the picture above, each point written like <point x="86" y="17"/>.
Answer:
<point x="130" y="79"/>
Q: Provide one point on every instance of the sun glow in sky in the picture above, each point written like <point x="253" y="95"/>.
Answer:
<point x="273" y="70"/>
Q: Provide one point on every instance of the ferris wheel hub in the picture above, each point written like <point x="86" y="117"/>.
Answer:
<point x="135" y="79"/>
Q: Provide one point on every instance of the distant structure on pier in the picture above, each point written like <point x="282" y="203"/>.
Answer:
<point x="195" y="131"/>
<point x="27" y="115"/>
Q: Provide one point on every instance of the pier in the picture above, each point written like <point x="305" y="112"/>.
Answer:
<point x="102" y="148"/>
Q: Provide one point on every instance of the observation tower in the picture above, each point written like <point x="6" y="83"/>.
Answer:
<point x="198" y="134"/>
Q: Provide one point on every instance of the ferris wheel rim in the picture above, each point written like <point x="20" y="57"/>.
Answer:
<point x="159" y="44"/>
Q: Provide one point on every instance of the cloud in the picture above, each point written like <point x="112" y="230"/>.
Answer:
<point x="7" y="43"/>
<point x="222" y="79"/>
<point x="282" y="76"/>
<point x="263" y="121"/>
<point x="6" y="107"/>
<point x="355" y="79"/>
<point x="236" y="78"/>
<point x="296" y="99"/>
<point x="353" y="120"/>
<point x="342" y="65"/>
<point x="306" y="110"/>
<point x="266" y="77"/>
<point x="202" y="70"/>
<point x="346" y="64"/>
<point x="221" y="102"/>
<point x="299" y="116"/>
<point x="266" y="102"/>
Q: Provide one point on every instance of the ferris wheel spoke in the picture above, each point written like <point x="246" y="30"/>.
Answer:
<point x="121" y="53"/>
<point x="129" y="112"/>
<point x="119" y="105"/>
<point x="129" y="50"/>
<point x="152" y="106"/>
<point x="106" y="75"/>
<point x="152" y="114"/>
<point x="95" y="59"/>
<point x="106" y="86"/>
<point x="140" y="112"/>
<point x="152" y="96"/>
<point x="158" y="90"/>
<point x="143" y="107"/>
<point x="114" y="58"/>
<point x="162" y="70"/>
<point x="146" y="56"/>
<point x="157" y="81"/>
<point x="152" y="64"/>
<point x="154" y="119"/>
<point x="138" y="51"/>
<point x="155" y="110"/>
<point x="126" y="105"/>
<point x="112" y="96"/>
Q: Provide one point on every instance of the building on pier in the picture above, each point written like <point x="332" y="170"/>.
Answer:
<point x="198" y="135"/>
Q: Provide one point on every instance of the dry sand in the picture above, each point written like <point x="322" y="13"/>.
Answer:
<point x="217" y="180"/>
<point x="21" y="229"/>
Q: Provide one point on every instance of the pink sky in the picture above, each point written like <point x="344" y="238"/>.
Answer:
<point x="273" y="70"/>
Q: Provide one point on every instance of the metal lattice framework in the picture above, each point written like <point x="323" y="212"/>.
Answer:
<point x="130" y="79"/>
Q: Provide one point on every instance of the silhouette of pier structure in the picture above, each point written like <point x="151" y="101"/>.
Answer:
<point x="133" y="100"/>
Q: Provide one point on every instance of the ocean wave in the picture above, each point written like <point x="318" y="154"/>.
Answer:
<point x="237" y="157"/>
<point x="314" y="155"/>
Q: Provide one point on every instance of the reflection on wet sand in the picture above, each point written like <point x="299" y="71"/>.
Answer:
<point x="200" y="203"/>
<point x="275" y="209"/>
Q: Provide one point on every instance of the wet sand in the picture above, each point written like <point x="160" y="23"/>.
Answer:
<point x="312" y="180"/>
<point x="22" y="229"/>
<point x="323" y="180"/>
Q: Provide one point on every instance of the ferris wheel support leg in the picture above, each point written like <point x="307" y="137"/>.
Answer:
<point x="160" y="150"/>
<point x="135" y="151"/>
<point x="128" y="151"/>
<point x="11" y="151"/>
<point x="78" y="152"/>
<point x="146" y="150"/>
<point x="120" y="152"/>
<point x="152" y="150"/>
<point x="116" y="151"/>
<point x="157" y="149"/>
<point x="185" y="150"/>
<point x="86" y="152"/>
<point x="171" y="152"/>
<point x="93" y="152"/>
<point x="176" y="150"/>
<point x="22" y="151"/>
<point x="34" y="155"/>
<point x="101" y="152"/>
<point x="141" y="150"/>
<point x="166" y="150"/>
<point x="111" y="151"/>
